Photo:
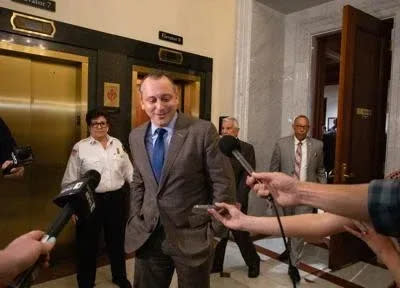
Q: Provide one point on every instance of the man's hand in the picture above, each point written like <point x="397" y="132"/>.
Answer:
<point x="282" y="187"/>
<point x="22" y="253"/>
<point x="229" y="215"/>
<point x="16" y="172"/>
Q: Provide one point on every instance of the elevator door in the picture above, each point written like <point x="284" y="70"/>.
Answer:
<point x="40" y="102"/>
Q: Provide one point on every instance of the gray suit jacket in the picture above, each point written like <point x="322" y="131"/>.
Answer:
<point x="194" y="172"/>
<point x="283" y="158"/>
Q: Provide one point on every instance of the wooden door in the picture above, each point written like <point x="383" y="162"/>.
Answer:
<point x="361" y="137"/>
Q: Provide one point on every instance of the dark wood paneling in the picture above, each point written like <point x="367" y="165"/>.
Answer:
<point x="112" y="67"/>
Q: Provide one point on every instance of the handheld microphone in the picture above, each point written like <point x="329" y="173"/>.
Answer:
<point x="75" y="198"/>
<point x="230" y="146"/>
<point x="20" y="156"/>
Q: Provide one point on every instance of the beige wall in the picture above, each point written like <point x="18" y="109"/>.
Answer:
<point x="207" y="28"/>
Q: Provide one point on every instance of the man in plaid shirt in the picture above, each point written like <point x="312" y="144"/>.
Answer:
<point x="383" y="206"/>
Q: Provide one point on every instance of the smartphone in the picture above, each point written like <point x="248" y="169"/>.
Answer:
<point x="202" y="209"/>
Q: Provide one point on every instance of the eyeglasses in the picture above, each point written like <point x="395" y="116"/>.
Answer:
<point x="101" y="124"/>
<point x="301" y="126"/>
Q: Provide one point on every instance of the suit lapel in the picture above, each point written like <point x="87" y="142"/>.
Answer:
<point x="309" y="156"/>
<point x="309" y="151"/>
<point x="144" y="156"/>
<point x="175" y="146"/>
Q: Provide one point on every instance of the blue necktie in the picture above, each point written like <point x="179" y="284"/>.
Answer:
<point x="157" y="159"/>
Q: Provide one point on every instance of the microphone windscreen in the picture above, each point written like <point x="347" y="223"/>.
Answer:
<point x="94" y="178"/>
<point x="227" y="144"/>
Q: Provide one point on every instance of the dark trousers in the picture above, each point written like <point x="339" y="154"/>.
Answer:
<point x="108" y="215"/>
<point x="154" y="269"/>
<point x="246" y="248"/>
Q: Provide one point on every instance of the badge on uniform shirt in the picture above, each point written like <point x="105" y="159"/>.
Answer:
<point x="74" y="152"/>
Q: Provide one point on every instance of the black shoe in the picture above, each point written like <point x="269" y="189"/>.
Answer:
<point x="284" y="256"/>
<point x="122" y="283"/>
<point x="294" y="273"/>
<point x="254" y="270"/>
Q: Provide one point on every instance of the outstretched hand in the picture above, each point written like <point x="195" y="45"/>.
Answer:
<point x="229" y="215"/>
<point x="282" y="187"/>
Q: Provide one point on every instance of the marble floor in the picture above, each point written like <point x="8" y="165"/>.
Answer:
<point x="314" y="271"/>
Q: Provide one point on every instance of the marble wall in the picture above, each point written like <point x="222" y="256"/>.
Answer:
<point x="258" y="88"/>
<point x="265" y="85"/>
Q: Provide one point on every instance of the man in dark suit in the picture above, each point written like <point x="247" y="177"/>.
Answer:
<point x="177" y="164"/>
<point x="242" y="238"/>
<point x="302" y="157"/>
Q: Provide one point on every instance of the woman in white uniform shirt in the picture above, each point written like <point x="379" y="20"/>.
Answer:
<point x="105" y="154"/>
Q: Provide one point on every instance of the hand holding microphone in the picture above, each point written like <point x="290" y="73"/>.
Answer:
<point x="230" y="146"/>
<point x="20" y="157"/>
<point x="283" y="188"/>
<point x="76" y="198"/>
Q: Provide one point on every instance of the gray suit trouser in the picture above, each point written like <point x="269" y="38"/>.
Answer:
<point x="296" y="244"/>
<point x="154" y="268"/>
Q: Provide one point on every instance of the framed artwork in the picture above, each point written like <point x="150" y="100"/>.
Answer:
<point x="111" y="95"/>
<point x="331" y="122"/>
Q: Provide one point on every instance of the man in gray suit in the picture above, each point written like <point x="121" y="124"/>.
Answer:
<point x="302" y="157"/>
<point x="230" y="126"/>
<point x="177" y="164"/>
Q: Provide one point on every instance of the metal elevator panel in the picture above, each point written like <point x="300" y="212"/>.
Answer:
<point x="39" y="101"/>
<point x="15" y="98"/>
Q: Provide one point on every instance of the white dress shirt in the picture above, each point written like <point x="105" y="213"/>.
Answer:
<point x="112" y="163"/>
<point x="303" y="168"/>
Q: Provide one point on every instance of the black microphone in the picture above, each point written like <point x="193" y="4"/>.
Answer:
<point x="20" y="156"/>
<point x="230" y="146"/>
<point x="75" y="198"/>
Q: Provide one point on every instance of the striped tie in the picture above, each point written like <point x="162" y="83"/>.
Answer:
<point x="297" y="164"/>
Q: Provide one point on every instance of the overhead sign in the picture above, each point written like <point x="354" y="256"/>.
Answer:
<point x="33" y="25"/>
<point x="42" y="4"/>
<point x="170" y="37"/>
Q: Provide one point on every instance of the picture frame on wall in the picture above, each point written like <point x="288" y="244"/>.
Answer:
<point x="111" y="97"/>
<point x="331" y="122"/>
